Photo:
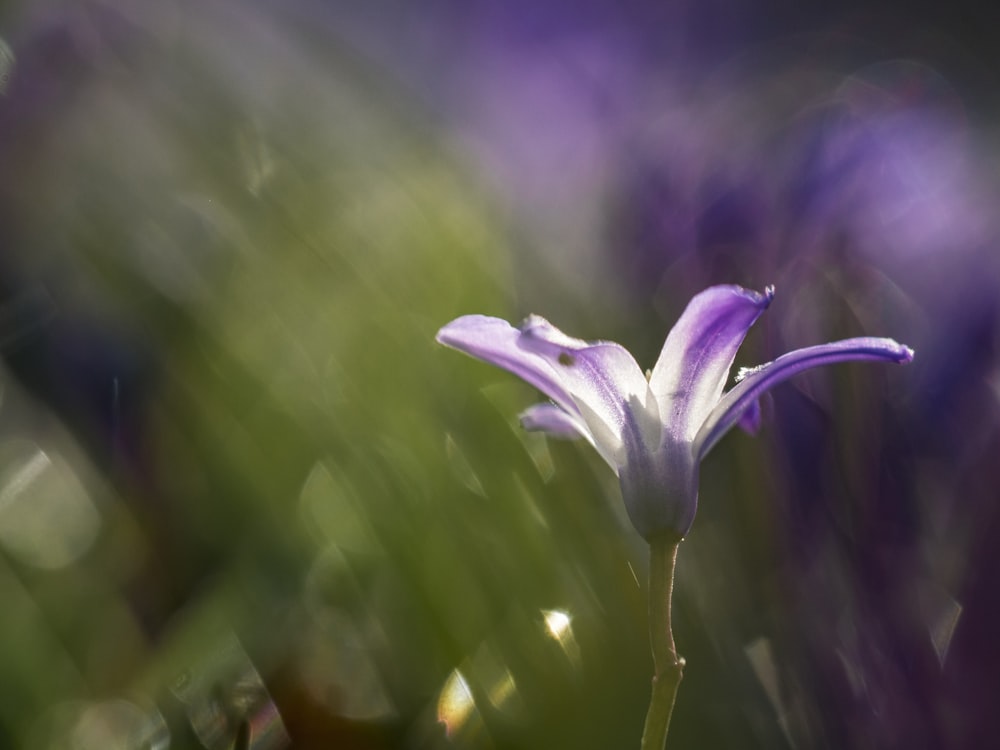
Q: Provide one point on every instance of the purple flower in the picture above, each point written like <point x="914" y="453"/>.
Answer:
<point x="652" y="429"/>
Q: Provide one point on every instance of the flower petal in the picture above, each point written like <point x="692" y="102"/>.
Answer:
<point x="553" y="420"/>
<point x="751" y="418"/>
<point x="556" y="422"/>
<point x="606" y="384"/>
<point x="496" y="341"/>
<point x="693" y="366"/>
<point x="756" y="381"/>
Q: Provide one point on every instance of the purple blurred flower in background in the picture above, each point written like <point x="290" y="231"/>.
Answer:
<point x="653" y="430"/>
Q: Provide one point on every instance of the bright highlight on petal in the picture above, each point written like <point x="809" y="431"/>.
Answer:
<point x="653" y="430"/>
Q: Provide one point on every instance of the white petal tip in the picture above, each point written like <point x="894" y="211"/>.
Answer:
<point x="744" y="372"/>
<point x="531" y="323"/>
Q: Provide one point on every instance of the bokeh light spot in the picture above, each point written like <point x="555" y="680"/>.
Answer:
<point x="47" y="519"/>
<point x="559" y="625"/>
<point x="944" y="617"/>
<point x="557" y="622"/>
<point x="119" y="725"/>
<point x="456" y="706"/>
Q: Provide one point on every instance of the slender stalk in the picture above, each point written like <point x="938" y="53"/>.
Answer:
<point x="668" y="667"/>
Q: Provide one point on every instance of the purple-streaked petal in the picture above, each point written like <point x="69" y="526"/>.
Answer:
<point x="749" y="421"/>
<point x="757" y="380"/>
<point x="606" y="384"/>
<point x="693" y="366"/>
<point x="555" y="421"/>
<point x="496" y="341"/>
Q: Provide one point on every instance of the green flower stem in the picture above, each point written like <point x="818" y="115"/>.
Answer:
<point x="668" y="667"/>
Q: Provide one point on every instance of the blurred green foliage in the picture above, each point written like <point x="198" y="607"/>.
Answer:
<point x="311" y="473"/>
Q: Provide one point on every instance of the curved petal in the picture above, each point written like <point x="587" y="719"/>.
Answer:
<point x="553" y="420"/>
<point x="556" y="422"/>
<point x="693" y="366"/>
<point x="756" y="381"/>
<point x="606" y="384"/>
<point x="496" y="341"/>
<point x="749" y="421"/>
